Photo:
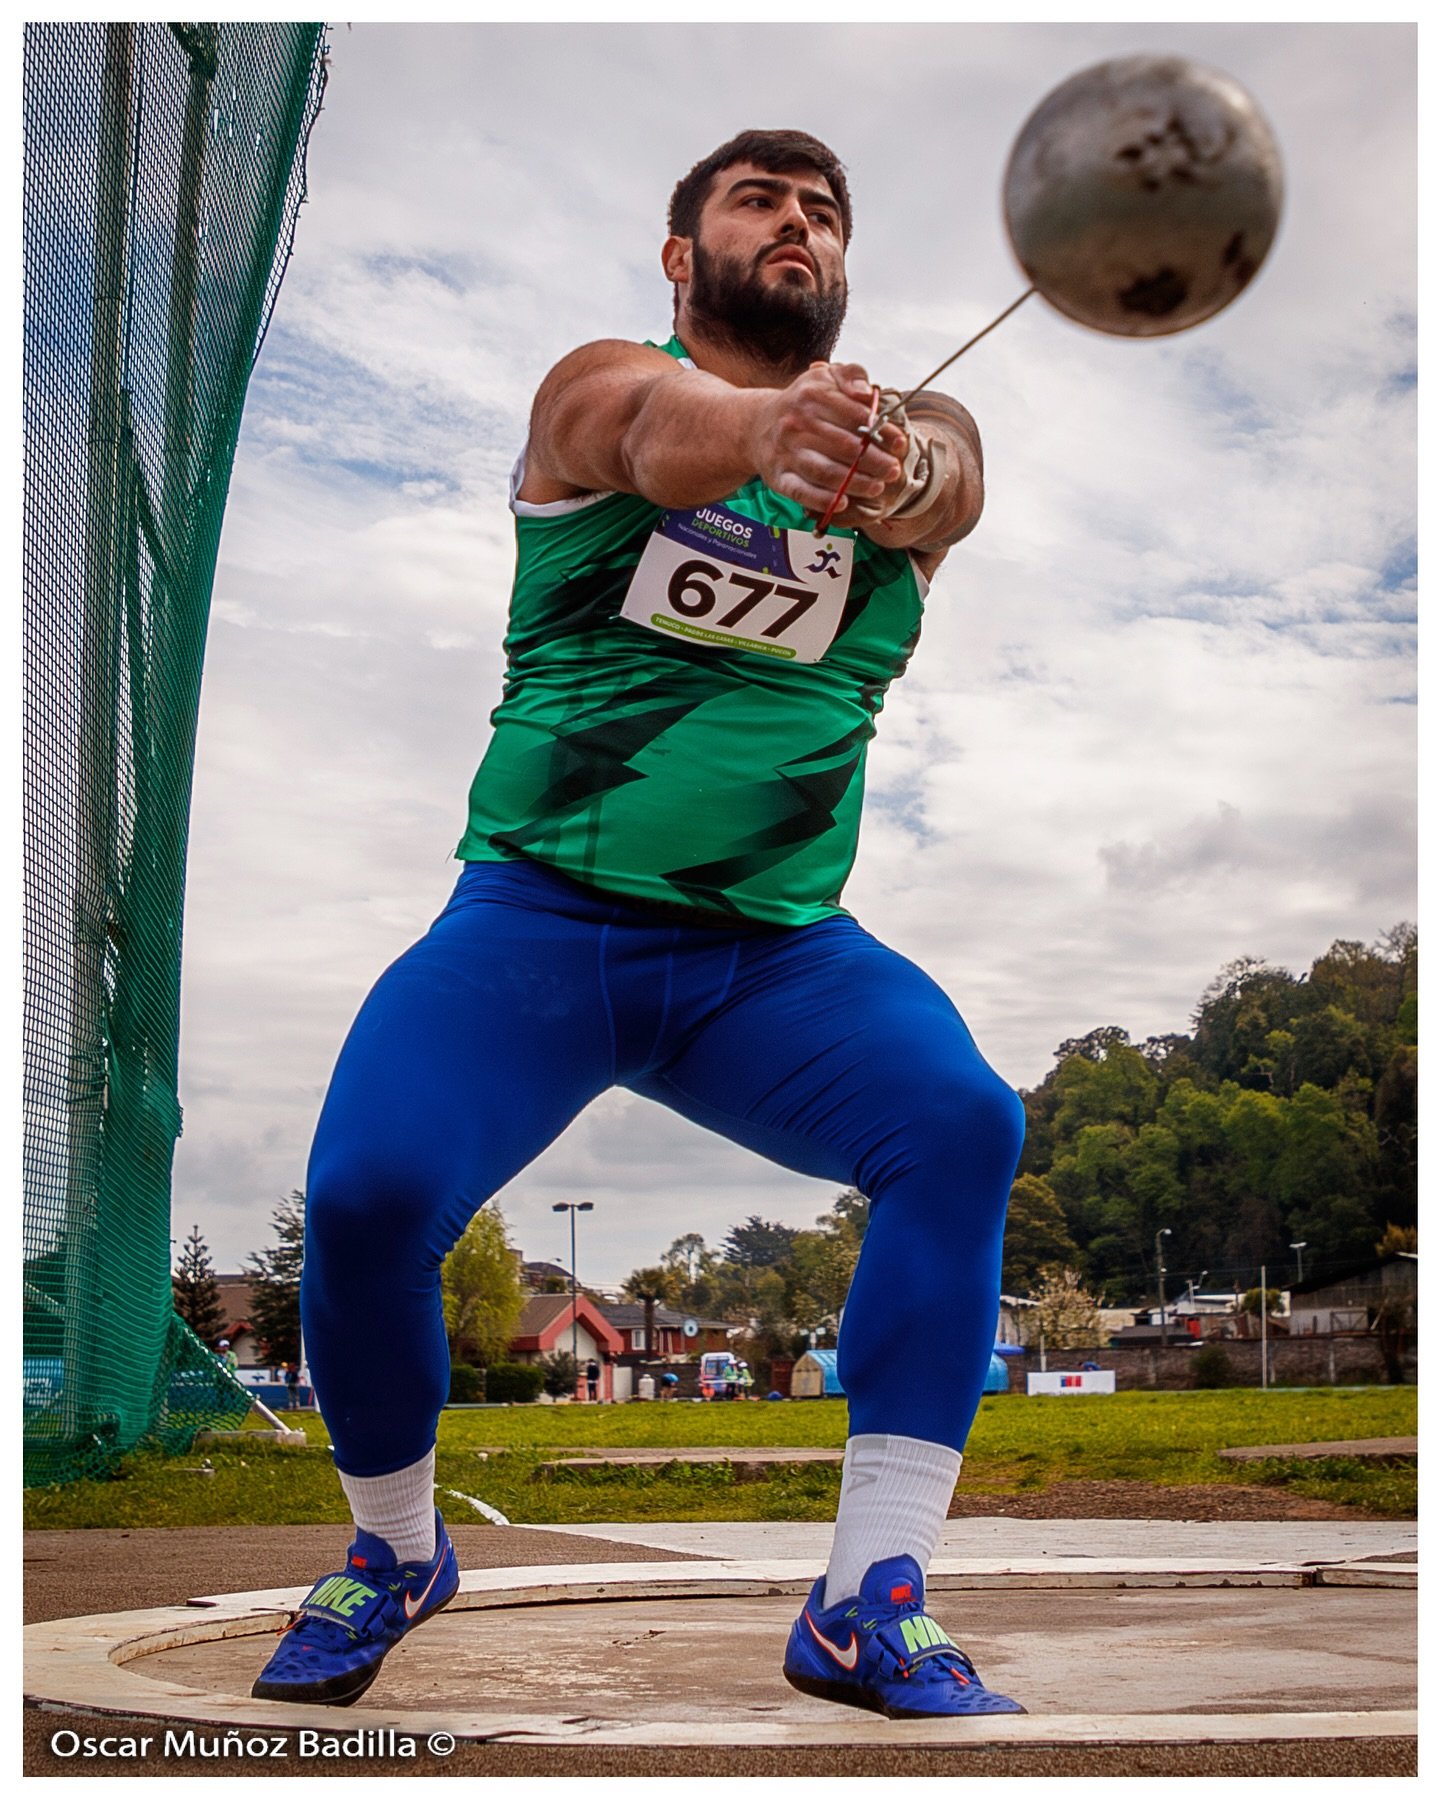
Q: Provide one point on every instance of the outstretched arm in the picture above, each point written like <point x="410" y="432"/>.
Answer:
<point x="623" y="417"/>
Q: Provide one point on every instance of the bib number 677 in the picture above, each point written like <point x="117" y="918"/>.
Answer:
<point x="693" y="592"/>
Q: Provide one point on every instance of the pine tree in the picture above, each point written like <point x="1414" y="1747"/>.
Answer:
<point x="197" y="1293"/>
<point x="758" y="1243"/>
<point x="275" y="1283"/>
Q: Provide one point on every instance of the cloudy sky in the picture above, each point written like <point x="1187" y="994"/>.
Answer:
<point x="1163" y="711"/>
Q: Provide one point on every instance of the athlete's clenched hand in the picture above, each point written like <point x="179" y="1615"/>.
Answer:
<point x="806" y="437"/>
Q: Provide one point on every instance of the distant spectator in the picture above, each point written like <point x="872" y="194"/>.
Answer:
<point x="592" y="1378"/>
<point x="292" y="1386"/>
<point x="226" y="1357"/>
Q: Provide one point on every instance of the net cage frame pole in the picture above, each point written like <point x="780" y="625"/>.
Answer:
<point x="201" y="45"/>
<point x="95" y="795"/>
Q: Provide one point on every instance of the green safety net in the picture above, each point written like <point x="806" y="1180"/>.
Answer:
<point x="163" y="171"/>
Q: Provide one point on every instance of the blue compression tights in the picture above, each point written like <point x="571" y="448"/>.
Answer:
<point x="529" y="996"/>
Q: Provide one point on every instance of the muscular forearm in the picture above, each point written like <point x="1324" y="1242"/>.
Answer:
<point x="615" y="416"/>
<point x="693" y="438"/>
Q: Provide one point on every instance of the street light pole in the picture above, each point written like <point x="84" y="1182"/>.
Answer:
<point x="572" y="1207"/>
<point x="1163" y="1232"/>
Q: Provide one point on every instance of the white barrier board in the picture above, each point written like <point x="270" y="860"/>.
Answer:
<point x="1071" y="1381"/>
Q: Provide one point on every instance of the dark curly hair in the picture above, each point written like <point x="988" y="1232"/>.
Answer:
<point x="777" y="152"/>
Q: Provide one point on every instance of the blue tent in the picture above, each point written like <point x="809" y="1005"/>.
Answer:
<point x="822" y="1362"/>
<point x="997" y="1379"/>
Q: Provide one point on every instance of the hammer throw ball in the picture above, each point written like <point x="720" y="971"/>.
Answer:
<point x="1143" y="194"/>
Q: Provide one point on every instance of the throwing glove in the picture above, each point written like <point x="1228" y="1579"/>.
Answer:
<point x="923" y="468"/>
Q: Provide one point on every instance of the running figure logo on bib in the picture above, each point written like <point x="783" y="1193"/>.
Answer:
<point x="716" y="577"/>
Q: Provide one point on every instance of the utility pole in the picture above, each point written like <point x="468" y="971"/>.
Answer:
<point x="1264" y="1334"/>
<point x="572" y="1207"/>
<point x="1163" y="1232"/>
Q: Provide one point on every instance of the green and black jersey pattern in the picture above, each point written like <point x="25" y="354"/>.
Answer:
<point x="707" y="749"/>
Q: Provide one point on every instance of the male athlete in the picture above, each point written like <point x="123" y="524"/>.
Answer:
<point x="658" y="837"/>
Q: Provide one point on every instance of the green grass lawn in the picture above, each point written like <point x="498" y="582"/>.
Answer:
<point x="1018" y="1445"/>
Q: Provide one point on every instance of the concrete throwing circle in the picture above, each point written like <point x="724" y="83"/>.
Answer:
<point x="689" y="1654"/>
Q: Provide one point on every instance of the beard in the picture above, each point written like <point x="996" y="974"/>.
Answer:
<point x="786" y="324"/>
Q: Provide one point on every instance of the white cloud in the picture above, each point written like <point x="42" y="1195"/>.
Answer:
<point x="1158" y="716"/>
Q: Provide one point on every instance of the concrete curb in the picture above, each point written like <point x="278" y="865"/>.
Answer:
<point x="95" y="1665"/>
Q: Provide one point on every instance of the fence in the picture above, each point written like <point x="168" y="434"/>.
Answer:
<point x="1310" y="1361"/>
<point x="162" y="173"/>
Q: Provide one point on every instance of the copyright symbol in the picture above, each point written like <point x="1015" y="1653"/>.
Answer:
<point x="440" y="1743"/>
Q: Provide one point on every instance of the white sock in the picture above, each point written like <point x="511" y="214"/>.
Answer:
<point x="894" y="1495"/>
<point x="399" y="1507"/>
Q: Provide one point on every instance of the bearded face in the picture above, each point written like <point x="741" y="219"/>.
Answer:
<point x="783" y="318"/>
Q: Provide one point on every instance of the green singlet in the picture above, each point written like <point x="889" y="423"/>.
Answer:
<point x="688" y="699"/>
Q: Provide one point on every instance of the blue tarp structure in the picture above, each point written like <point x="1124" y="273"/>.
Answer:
<point x="997" y="1378"/>
<point x="821" y="1362"/>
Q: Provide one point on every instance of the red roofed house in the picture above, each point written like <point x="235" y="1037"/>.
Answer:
<point x="545" y="1326"/>
<point x="237" y="1296"/>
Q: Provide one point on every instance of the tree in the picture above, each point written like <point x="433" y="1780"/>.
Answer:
<point x="562" y="1374"/>
<point x="483" y="1297"/>
<point x="1290" y="1114"/>
<point x="1250" y="1306"/>
<point x="1119" y="1087"/>
<point x="765" y="1313"/>
<point x="758" y="1243"/>
<point x="649" y="1286"/>
<point x="1065" y="1312"/>
<point x="1394" y="1327"/>
<point x="1211" y="1368"/>
<point x="819" y="1272"/>
<point x="1399" y="1240"/>
<point x="1245" y="1002"/>
<point x="1397" y="1120"/>
<point x="1035" y="1233"/>
<point x="690" y="1266"/>
<point x="854" y="1208"/>
<point x="1096" y="1045"/>
<point x="197" y="1293"/>
<point x="1326" y="1162"/>
<point x="688" y="1255"/>
<point x="275" y="1282"/>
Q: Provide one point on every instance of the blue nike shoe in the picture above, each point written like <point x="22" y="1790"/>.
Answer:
<point x="884" y="1652"/>
<point x="347" y="1624"/>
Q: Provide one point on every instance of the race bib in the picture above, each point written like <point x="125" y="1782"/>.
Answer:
<point x="713" y="576"/>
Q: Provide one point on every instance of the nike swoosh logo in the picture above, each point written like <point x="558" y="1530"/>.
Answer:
<point x="846" y="1657"/>
<point x="413" y="1606"/>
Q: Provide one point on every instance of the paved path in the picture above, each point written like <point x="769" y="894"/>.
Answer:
<point x="752" y="1463"/>
<point x="1396" y="1449"/>
<point x="1260" y="1540"/>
